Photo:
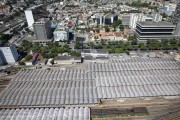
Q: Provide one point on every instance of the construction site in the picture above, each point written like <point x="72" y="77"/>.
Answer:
<point x="123" y="88"/>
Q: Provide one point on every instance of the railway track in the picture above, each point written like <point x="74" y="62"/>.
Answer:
<point x="119" y="111"/>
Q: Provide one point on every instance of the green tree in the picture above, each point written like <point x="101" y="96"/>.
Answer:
<point x="134" y="42"/>
<point x="164" y="41"/>
<point x="116" y="24"/>
<point x="28" y="57"/>
<point x="174" y="46"/>
<point x="52" y="61"/>
<point x="173" y="41"/>
<point x="77" y="45"/>
<point x="21" y="63"/>
<point x="107" y="29"/>
<point x="130" y="38"/>
<point x="74" y="53"/>
<point x="166" y="47"/>
<point x="97" y="30"/>
<point x="43" y="51"/>
<point x="142" y="46"/>
<point x="5" y="37"/>
<point x="121" y="27"/>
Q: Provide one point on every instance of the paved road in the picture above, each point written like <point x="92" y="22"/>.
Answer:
<point x="20" y="23"/>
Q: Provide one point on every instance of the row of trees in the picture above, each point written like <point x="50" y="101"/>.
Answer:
<point x="132" y="44"/>
<point x="51" y="50"/>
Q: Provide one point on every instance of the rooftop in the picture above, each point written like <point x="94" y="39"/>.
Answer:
<point x="156" y="24"/>
<point x="94" y="51"/>
<point x="41" y="113"/>
<point x="67" y="58"/>
<point x="34" y="7"/>
<point x="41" y="20"/>
<point x="111" y="15"/>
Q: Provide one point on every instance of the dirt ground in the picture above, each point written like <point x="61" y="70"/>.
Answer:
<point x="3" y="83"/>
<point x="167" y="108"/>
<point x="4" y="80"/>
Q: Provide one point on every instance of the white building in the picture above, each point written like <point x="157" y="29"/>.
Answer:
<point x="157" y="17"/>
<point x="10" y="54"/>
<point x="137" y="17"/>
<point x="134" y="18"/>
<point x="171" y="7"/>
<point x="60" y="34"/>
<point x="30" y="16"/>
<point x="94" y="53"/>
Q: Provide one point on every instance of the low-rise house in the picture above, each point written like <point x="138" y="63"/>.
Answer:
<point x="67" y="60"/>
<point x="94" y="53"/>
<point x="90" y="59"/>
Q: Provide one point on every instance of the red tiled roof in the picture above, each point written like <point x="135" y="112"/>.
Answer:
<point x="117" y="34"/>
<point x="70" y="25"/>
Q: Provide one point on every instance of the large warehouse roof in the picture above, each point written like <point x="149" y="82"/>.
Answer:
<point x="50" y="93"/>
<point x="46" y="114"/>
<point x="119" y="78"/>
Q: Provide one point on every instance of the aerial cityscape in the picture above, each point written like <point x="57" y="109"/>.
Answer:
<point x="90" y="60"/>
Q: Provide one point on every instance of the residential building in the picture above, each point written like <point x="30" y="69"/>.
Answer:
<point x="154" y="30"/>
<point x="94" y="53"/>
<point x="127" y="8"/>
<point x="9" y="54"/>
<point x="110" y="18"/>
<point x="169" y="9"/>
<point x="91" y="59"/>
<point x="135" y="17"/>
<point x="176" y="15"/>
<point x="157" y="17"/>
<point x="126" y="19"/>
<point x="67" y="60"/>
<point x="100" y="20"/>
<point x="42" y="29"/>
<point x="177" y="31"/>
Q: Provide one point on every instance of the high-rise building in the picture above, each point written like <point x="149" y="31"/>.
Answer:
<point x="42" y="29"/>
<point x="177" y="31"/>
<point x="154" y="30"/>
<point x="176" y="15"/>
<point x="99" y="20"/>
<point x="126" y="19"/>
<point x="135" y="17"/>
<point x="157" y="17"/>
<point x="9" y="54"/>
<point x="33" y="14"/>
<point x="2" y="61"/>
<point x="110" y="18"/>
